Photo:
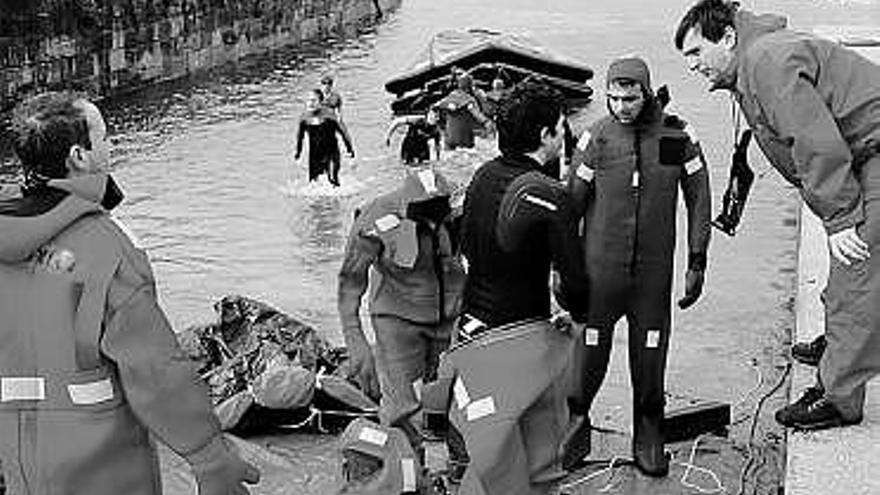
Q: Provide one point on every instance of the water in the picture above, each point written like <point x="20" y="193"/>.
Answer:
<point x="216" y="199"/>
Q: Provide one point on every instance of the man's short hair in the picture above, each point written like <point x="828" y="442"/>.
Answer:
<point x="528" y="108"/>
<point x="710" y="17"/>
<point x="45" y="127"/>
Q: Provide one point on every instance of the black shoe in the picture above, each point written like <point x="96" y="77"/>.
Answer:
<point x="651" y="459"/>
<point x="821" y="415"/>
<point x="576" y="444"/>
<point x="809" y="353"/>
<point x="786" y="416"/>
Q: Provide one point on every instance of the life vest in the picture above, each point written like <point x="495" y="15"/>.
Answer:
<point x="378" y="460"/>
<point x="65" y="427"/>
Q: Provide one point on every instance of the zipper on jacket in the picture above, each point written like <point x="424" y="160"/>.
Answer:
<point x="636" y="187"/>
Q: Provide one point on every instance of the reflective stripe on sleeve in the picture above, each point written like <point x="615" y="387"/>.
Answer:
<point x="84" y="394"/>
<point x="539" y="201"/>
<point x="585" y="173"/>
<point x="481" y="408"/>
<point x="22" y="388"/>
<point x="694" y="165"/>
<point x="584" y="140"/>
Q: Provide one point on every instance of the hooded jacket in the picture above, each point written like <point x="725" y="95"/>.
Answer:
<point x="814" y="107"/>
<point x="420" y="277"/>
<point x="89" y="363"/>
<point x="625" y="183"/>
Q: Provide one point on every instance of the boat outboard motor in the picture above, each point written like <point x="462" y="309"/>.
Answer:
<point x="378" y="460"/>
<point x="738" y="185"/>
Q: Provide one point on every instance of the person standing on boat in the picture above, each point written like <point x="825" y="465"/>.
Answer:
<point x="462" y="114"/>
<point x="508" y="387"/>
<point x="322" y="126"/>
<point x="421" y="130"/>
<point x="627" y="170"/>
<point x="90" y="368"/>
<point x="814" y="108"/>
<point x="409" y="238"/>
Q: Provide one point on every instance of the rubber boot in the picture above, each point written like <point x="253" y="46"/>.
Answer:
<point x="649" y="454"/>
<point x="576" y="444"/>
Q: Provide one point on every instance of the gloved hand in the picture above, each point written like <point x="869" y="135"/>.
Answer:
<point x="296" y="156"/>
<point x="220" y="471"/>
<point x="351" y="153"/>
<point x="362" y="367"/>
<point x="693" y="287"/>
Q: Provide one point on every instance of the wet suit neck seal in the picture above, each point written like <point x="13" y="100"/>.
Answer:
<point x="738" y="185"/>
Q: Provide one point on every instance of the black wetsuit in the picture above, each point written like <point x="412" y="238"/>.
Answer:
<point x="322" y="127"/>
<point x="517" y="221"/>
<point x="415" y="147"/>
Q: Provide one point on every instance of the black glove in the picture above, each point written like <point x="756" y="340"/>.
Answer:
<point x="693" y="287"/>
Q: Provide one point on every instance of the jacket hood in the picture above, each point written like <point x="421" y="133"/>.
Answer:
<point x="29" y="222"/>
<point x="749" y="27"/>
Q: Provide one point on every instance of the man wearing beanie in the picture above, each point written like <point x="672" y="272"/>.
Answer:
<point x="407" y="236"/>
<point x="626" y="172"/>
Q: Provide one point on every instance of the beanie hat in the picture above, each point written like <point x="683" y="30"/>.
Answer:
<point x="630" y="68"/>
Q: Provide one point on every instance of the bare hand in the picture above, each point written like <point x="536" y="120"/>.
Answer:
<point x="847" y="247"/>
<point x="362" y="368"/>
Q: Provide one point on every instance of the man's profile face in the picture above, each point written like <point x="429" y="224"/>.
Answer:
<point x="708" y="58"/>
<point x="625" y="102"/>
<point x="96" y="159"/>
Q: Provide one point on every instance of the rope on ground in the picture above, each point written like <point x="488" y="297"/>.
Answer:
<point x="689" y="467"/>
<point x="611" y="469"/>
<point x="750" y="452"/>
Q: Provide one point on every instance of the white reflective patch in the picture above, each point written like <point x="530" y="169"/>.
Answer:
<point x="465" y="264"/>
<point x="635" y="180"/>
<point x="539" y="201"/>
<point x="84" y="394"/>
<point x="694" y="165"/>
<point x="481" y="408"/>
<point x="472" y="324"/>
<point x="128" y="232"/>
<point x="461" y="394"/>
<point x="591" y="337"/>
<point x="585" y="173"/>
<point x="22" y="388"/>
<point x="387" y="222"/>
<point x="653" y="339"/>
<point x="689" y="130"/>
<point x="408" y="469"/>
<point x="584" y="140"/>
<point x="417" y="388"/>
<point x="428" y="180"/>
<point x="373" y="436"/>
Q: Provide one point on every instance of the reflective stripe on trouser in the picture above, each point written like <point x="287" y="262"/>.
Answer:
<point x="509" y="404"/>
<point x="852" y="312"/>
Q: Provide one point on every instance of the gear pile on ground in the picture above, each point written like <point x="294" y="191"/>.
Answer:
<point x="266" y="368"/>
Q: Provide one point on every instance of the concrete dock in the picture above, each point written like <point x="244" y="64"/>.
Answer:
<point x="843" y="461"/>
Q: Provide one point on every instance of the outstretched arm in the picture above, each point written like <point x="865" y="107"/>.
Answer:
<point x="343" y="131"/>
<point x="300" y="133"/>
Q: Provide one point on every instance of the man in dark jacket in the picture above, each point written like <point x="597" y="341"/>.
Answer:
<point x="814" y="107"/>
<point x="506" y="370"/>
<point x="627" y="170"/>
<point x="408" y="237"/>
<point x="89" y="365"/>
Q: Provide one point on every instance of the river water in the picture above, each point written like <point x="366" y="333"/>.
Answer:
<point x="215" y="197"/>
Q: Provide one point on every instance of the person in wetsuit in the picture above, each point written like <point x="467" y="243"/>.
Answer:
<point x="322" y="125"/>
<point x="627" y="170"/>
<point x="462" y="113"/>
<point x="505" y="368"/>
<point x="420" y="131"/>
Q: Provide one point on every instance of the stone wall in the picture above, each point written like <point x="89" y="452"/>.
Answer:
<point x="107" y="46"/>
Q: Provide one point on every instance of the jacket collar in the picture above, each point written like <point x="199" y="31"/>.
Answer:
<point x="749" y="27"/>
